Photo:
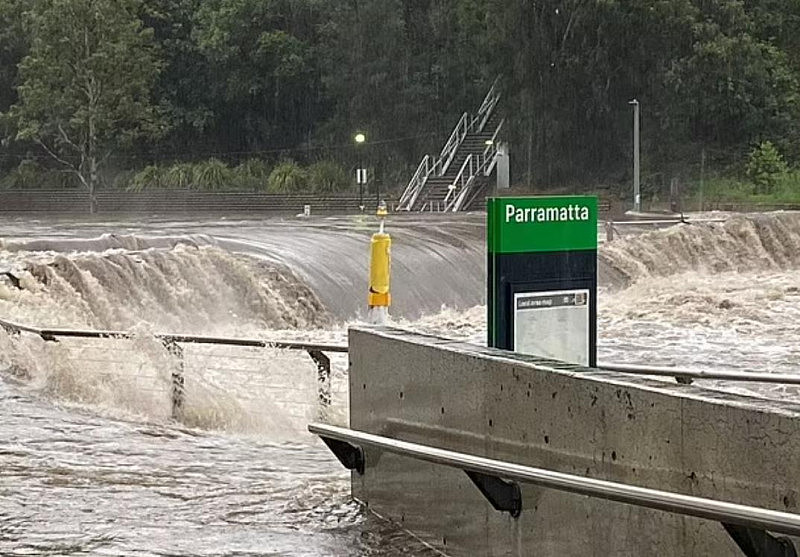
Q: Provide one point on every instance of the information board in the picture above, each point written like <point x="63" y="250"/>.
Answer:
<point x="542" y="276"/>
<point x="553" y="325"/>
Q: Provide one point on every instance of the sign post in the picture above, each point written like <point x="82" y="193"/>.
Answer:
<point x="361" y="180"/>
<point x="542" y="283"/>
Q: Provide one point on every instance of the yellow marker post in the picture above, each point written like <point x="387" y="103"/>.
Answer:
<point x="380" y="270"/>
<point x="380" y="264"/>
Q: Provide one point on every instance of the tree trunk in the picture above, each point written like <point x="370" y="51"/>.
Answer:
<point x="91" y="152"/>
<point x="92" y="184"/>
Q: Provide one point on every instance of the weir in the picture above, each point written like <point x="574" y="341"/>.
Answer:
<point x="687" y="450"/>
<point x="475" y="451"/>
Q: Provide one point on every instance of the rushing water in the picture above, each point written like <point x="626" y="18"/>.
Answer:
<point x="92" y="464"/>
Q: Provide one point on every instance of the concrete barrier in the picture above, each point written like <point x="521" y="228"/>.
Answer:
<point x="607" y="425"/>
<point x="76" y="201"/>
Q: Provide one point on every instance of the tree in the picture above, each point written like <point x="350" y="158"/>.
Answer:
<point x="264" y="87"/>
<point x="766" y="167"/>
<point x="84" y="87"/>
<point x="12" y="49"/>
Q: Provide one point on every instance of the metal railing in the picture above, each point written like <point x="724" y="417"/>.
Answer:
<point x="429" y="167"/>
<point x="611" y="231"/>
<point x="416" y="184"/>
<point x="684" y="375"/>
<point x="172" y="342"/>
<point x="722" y="511"/>
<point x="487" y="107"/>
<point x="449" y="150"/>
<point x="473" y="167"/>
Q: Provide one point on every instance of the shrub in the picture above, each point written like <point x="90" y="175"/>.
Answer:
<point x="328" y="177"/>
<point x="27" y="175"/>
<point x="765" y="167"/>
<point x="727" y="189"/>
<point x="179" y="176"/>
<point x="787" y="188"/>
<point x="252" y="174"/>
<point x="149" y="177"/>
<point x="212" y="174"/>
<point x="287" y="177"/>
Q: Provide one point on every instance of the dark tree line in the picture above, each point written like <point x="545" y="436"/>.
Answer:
<point x="94" y="88"/>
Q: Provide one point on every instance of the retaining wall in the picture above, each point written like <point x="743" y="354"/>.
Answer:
<point x="606" y="425"/>
<point x="76" y="201"/>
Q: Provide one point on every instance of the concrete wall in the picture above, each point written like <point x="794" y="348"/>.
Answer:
<point x="76" y="201"/>
<point x="600" y="424"/>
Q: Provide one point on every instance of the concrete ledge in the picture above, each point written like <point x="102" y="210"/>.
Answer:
<point x="578" y="420"/>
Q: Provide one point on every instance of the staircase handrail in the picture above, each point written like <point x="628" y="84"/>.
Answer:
<point x="460" y="179"/>
<point x="439" y="166"/>
<point x="482" y="162"/>
<point x="449" y="151"/>
<point x="491" y="99"/>
<point x="415" y="185"/>
<point x="491" y="145"/>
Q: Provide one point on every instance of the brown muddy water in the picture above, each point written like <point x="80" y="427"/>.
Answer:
<point x="91" y="462"/>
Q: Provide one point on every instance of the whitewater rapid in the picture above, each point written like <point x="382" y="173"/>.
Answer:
<point x="91" y="460"/>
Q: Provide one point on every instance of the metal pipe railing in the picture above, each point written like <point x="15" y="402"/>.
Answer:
<point x="722" y="511"/>
<point x="633" y="369"/>
<point x="685" y="375"/>
<point x="416" y="183"/>
<point x="316" y="352"/>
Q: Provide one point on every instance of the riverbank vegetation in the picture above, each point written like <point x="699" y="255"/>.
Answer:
<point x="267" y="94"/>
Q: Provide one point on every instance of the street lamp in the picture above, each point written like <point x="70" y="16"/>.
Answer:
<point x="361" y="174"/>
<point x="637" y="196"/>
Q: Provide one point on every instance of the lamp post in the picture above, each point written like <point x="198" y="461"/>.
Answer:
<point x="361" y="175"/>
<point x="637" y="196"/>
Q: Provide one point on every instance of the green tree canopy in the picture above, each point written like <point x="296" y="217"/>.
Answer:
<point x="84" y="87"/>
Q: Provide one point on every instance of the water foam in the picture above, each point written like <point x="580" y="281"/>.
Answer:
<point x="186" y="288"/>
<point x="742" y="243"/>
<point x="692" y="292"/>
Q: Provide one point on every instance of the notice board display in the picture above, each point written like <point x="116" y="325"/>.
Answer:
<point x="542" y="283"/>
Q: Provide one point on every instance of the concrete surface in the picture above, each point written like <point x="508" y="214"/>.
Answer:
<point x="577" y="420"/>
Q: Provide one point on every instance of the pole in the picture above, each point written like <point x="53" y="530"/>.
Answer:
<point x="360" y="184"/>
<point x="637" y="195"/>
<point x="360" y="138"/>
<point x="702" y="176"/>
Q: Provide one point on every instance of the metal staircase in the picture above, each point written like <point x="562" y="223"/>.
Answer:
<point x="453" y="180"/>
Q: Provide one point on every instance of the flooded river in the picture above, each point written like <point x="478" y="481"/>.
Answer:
<point x="91" y="462"/>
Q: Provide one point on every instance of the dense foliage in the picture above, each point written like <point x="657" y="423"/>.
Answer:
<point x="212" y="93"/>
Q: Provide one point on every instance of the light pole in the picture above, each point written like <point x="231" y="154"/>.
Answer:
<point x="361" y="175"/>
<point x="637" y="195"/>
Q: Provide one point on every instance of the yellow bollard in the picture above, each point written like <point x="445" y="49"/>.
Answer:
<point x="380" y="271"/>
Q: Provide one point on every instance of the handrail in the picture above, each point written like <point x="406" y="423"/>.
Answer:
<point x="474" y="170"/>
<point x="634" y="369"/>
<point x="416" y="183"/>
<point x="701" y="507"/>
<point x="53" y="334"/>
<point x="685" y="220"/>
<point x="459" y="179"/>
<point x="696" y="374"/>
<point x="440" y="165"/>
<point x="316" y="352"/>
<point x="485" y="161"/>
<point x="450" y="148"/>
<point x="487" y="106"/>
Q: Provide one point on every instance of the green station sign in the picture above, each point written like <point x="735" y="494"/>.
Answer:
<point x="542" y="276"/>
<point x="541" y="224"/>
